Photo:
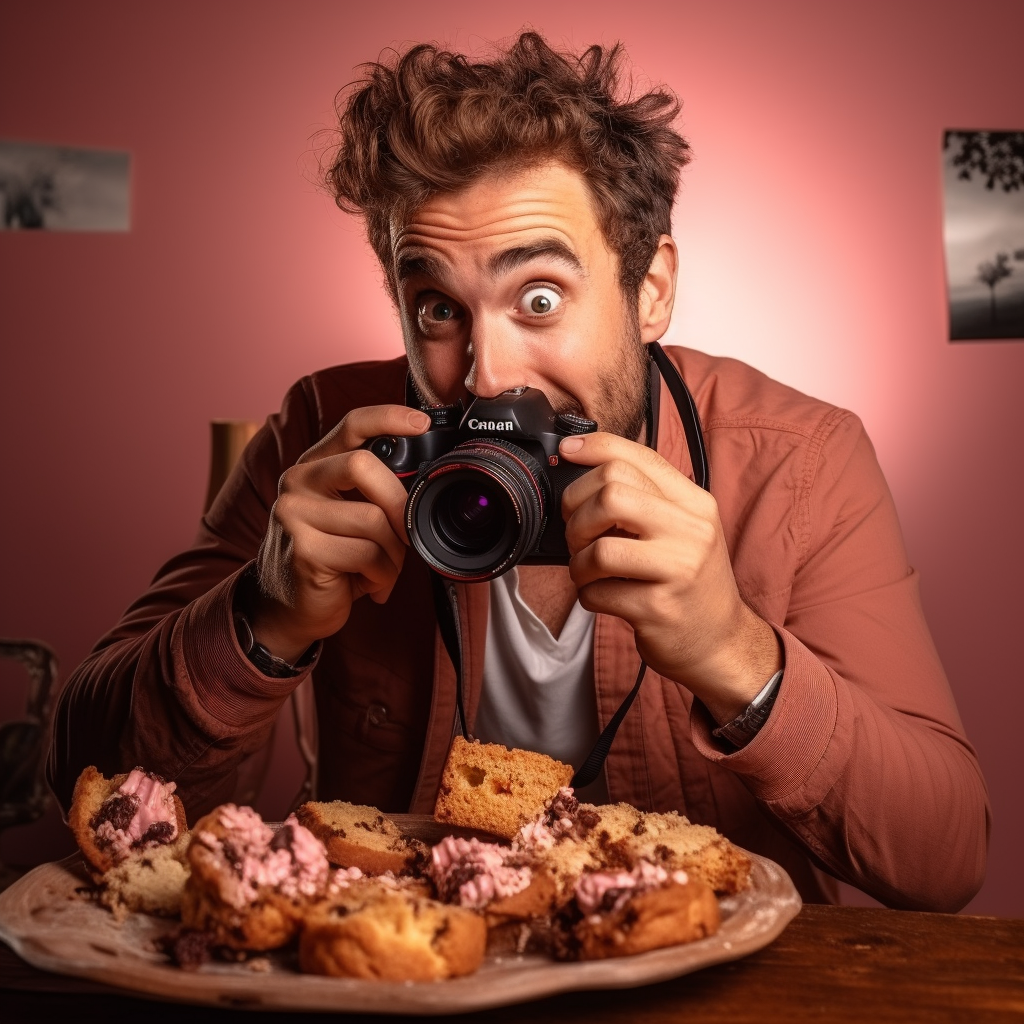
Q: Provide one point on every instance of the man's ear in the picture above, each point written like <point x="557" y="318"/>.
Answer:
<point x="658" y="291"/>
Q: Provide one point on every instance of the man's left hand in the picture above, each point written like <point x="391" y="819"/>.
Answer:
<point x="647" y="545"/>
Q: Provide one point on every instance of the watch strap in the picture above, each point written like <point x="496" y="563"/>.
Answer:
<point x="745" y="726"/>
<point x="267" y="663"/>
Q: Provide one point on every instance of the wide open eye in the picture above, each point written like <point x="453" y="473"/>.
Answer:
<point x="540" y="300"/>
<point x="439" y="311"/>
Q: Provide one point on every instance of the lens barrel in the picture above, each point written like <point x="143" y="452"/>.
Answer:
<point x="475" y="512"/>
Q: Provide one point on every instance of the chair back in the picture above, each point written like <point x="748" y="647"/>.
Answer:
<point x="228" y="439"/>
<point x="25" y="741"/>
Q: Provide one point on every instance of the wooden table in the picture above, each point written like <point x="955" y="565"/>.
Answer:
<point x="832" y="964"/>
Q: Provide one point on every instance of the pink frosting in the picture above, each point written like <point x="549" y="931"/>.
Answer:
<point x="473" y="873"/>
<point x="155" y="805"/>
<point x="535" y="835"/>
<point x="342" y="878"/>
<point x="554" y="822"/>
<point x="593" y="888"/>
<point x="561" y="809"/>
<point x="292" y="861"/>
<point x="244" y="826"/>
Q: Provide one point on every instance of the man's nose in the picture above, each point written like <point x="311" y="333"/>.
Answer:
<point x="495" y="359"/>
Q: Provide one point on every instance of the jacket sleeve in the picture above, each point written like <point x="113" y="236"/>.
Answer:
<point x="169" y="688"/>
<point x="864" y="758"/>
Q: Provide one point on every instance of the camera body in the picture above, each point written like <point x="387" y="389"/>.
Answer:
<point x="485" y="486"/>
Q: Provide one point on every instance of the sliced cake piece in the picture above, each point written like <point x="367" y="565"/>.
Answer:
<point x="148" y="881"/>
<point x="673" y="842"/>
<point x="562" y="839"/>
<point x="112" y="818"/>
<point x="571" y="838"/>
<point x="360" y="837"/>
<point x="616" y="822"/>
<point x="489" y="787"/>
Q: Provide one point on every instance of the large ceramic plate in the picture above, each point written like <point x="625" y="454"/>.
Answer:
<point x="47" y="921"/>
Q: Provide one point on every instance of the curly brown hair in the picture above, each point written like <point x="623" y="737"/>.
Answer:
<point x="430" y="121"/>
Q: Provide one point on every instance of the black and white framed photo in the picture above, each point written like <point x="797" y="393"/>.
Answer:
<point x="983" y="175"/>
<point x="60" y="188"/>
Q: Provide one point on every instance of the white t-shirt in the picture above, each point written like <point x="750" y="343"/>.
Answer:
<point x="538" y="692"/>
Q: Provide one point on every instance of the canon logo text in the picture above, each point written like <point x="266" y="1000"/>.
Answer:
<point x="475" y="424"/>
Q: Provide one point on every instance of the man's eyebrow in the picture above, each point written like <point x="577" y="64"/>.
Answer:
<point x="412" y="262"/>
<point x="547" y="248"/>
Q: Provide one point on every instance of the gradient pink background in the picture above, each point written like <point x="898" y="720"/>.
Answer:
<point x="811" y="234"/>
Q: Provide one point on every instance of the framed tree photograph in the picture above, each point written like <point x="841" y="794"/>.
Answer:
<point x="983" y="174"/>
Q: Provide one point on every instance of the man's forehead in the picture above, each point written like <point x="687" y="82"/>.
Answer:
<point x="542" y="212"/>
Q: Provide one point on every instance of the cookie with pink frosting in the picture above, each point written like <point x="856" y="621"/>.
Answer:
<point x="620" y="913"/>
<point x="515" y="893"/>
<point x="250" y="885"/>
<point x="112" y="819"/>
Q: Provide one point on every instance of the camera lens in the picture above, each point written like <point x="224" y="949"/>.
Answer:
<point x="476" y="511"/>
<point x="469" y="516"/>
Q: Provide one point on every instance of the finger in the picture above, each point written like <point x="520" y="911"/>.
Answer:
<point x="358" y="520"/>
<point x="615" y="472"/>
<point x="322" y="557"/>
<point x="361" y="424"/>
<point x="625" y="599"/>
<point x="618" y="558"/>
<point x="602" y="447"/>
<point x="619" y="509"/>
<point x="359" y="470"/>
<point x="616" y="506"/>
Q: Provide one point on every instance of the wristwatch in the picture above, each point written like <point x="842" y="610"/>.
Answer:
<point x="745" y="726"/>
<point x="269" y="664"/>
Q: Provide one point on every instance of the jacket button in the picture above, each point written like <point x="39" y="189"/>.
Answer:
<point x="376" y="714"/>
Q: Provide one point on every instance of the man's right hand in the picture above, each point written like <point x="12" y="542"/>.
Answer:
<point x="322" y="550"/>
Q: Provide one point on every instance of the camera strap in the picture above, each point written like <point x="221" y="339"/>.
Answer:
<point x="446" y="602"/>
<point x="446" y="605"/>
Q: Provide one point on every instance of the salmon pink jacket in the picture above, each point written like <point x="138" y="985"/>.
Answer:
<point x="862" y="772"/>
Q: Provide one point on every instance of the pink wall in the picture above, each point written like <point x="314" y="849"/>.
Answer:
<point x="811" y="236"/>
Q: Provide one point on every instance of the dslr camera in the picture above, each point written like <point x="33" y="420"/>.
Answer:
<point x="485" y="485"/>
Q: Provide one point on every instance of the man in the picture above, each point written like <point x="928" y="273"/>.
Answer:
<point x="521" y="212"/>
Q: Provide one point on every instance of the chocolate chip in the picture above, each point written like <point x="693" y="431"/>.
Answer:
<point x="283" y="839"/>
<point x="565" y="944"/>
<point x="563" y="805"/>
<point x="586" y="822"/>
<point x="119" y="810"/>
<point x="610" y="898"/>
<point x="158" y="832"/>
<point x="616" y="855"/>
<point x="231" y="855"/>
<point x="449" y="890"/>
